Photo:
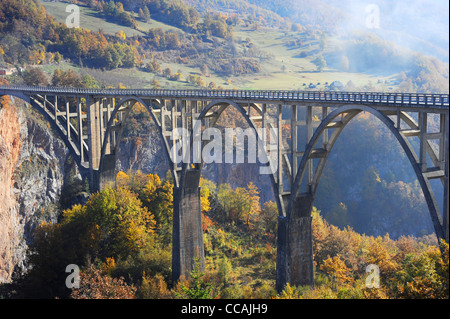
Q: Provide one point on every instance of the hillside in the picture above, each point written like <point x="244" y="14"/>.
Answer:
<point x="240" y="251"/>
<point x="370" y="207"/>
<point x="250" y="52"/>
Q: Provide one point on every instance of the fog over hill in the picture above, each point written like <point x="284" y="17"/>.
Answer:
<point x="421" y="25"/>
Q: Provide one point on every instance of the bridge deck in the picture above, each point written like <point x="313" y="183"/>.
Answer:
<point x="439" y="101"/>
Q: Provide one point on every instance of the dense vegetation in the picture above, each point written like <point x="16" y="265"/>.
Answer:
<point x="31" y="37"/>
<point x="121" y="239"/>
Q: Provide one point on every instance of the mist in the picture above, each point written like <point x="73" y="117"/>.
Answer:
<point x="419" y="25"/>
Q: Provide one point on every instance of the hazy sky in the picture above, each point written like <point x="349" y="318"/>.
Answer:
<point x="422" y="25"/>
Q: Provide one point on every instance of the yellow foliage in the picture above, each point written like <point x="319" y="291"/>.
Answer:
<point x="110" y="265"/>
<point x="336" y="267"/>
<point x="122" y="179"/>
<point x="121" y="35"/>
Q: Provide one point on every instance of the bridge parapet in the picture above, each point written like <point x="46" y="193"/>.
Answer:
<point x="387" y="99"/>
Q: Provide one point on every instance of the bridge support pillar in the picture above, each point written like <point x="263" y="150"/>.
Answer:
<point x="107" y="171"/>
<point x="187" y="244"/>
<point x="295" y="253"/>
<point x="94" y="142"/>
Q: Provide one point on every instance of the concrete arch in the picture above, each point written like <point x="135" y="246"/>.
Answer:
<point x="40" y="108"/>
<point x="107" y="161"/>
<point x="352" y="111"/>
<point x="187" y="243"/>
<point x="225" y="103"/>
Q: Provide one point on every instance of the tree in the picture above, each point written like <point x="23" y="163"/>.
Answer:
<point x="296" y="27"/>
<point x="123" y="221"/>
<point x="141" y="14"/>
<point x="198" y="287"/>
<point x="153" y="288"/>
<point x="146" y="14"/>
<point x="336" y="268"/>
<point x="204" y="69"/>
<point x="122" y="179"/>
<point x="254" y="207"/>
<point x="156" y="85"/>
<point x="268" y="218"/>
<point x="121" y="35"/>
<point x="320" y="63"/>
<point x="89" y="81"/>
<point x="58" y="57"/>
<point x="167" y="72"/>
<point x="206" y="189"/>
<point x="95" y="285"/>
<point x="35" y="76"/>
<point x="66" y="78"/>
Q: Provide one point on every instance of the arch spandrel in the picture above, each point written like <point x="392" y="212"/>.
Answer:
<point x="131" y="101"/>
<point x="243" y="110"/>
<point x="351" y="111"/>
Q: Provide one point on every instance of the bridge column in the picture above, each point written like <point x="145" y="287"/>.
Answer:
<point x="107" y="171"/>
<point x="295" y="253"/>
<point x="446" y="161"/>
<point x="94" y="142"/>
<point x="187" y="244"/>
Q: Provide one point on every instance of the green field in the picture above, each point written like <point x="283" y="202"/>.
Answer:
<point x="284" y="70"/>
<point x="92" y="20"/>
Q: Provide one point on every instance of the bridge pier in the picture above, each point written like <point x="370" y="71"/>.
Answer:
<point x="187" y="244"/>
<point x="295" y="253"/>
<point x="107" y="171"/>
<point x="94" y="142"/>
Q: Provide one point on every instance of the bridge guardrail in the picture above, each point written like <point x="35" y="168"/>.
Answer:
<point x="409" y="99"/>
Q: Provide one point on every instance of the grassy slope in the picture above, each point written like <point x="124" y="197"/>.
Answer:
<point x="297" y="71"/>
<point x="91" y="20"/>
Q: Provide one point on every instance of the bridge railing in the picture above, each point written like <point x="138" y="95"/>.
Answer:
<point x="412" y="99"/>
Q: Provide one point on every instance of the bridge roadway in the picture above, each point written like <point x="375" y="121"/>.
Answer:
<point x="91" y="121"/>
<point x="371" y="98"/>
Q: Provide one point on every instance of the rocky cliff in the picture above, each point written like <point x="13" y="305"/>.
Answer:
<point x="31" y="178"/>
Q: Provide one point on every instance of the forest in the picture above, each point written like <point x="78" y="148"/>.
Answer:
<point x="121" y="240"/>
<point x="121" y="237"/>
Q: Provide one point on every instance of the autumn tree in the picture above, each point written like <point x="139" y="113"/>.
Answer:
<point x="66" y="78"/>
<point x="96" y="285"/>
<point x="153" y="287"/>
<point x="58" y="57"/>
<point x="240" y="204"/>
<point x="336" y="268"/>
<point x="35" y="76"/>
<point x="198" y="287"/>
<point x="268" y="218"/>
<point x="156" y="196"/>
<point x="123" y="221"/>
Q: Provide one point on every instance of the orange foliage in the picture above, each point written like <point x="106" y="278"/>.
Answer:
<point x="95" y="285"/>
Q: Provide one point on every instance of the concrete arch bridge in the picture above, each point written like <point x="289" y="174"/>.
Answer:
<point x="304" y="127"/>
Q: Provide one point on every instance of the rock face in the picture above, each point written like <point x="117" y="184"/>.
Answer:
<point x="31" y="178"/>
<point x="10" y="144"/>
